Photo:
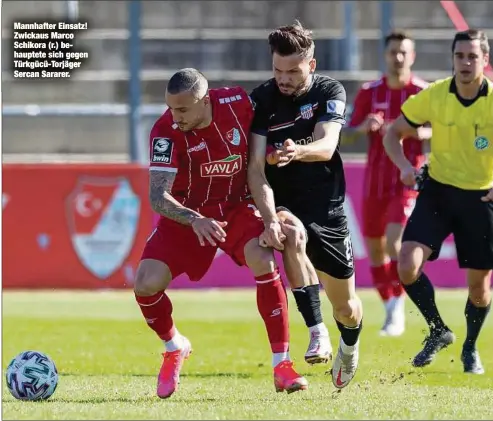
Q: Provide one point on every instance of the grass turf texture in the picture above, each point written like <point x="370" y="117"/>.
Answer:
<point x="108" y="360"/>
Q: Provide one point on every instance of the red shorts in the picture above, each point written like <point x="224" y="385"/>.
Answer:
<point x="178" y="247"/>
<point x="378" y="213"/>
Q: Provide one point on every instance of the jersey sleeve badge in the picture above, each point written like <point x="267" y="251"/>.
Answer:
<point x="162" y="149"/>
<point x="335" y="106"/>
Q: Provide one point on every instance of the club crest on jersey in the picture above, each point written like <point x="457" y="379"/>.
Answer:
<point x="233" y="136"/>
<point x="306" y="111"/>
<point x="226" y="167"/>
<point x="481" y="143"/>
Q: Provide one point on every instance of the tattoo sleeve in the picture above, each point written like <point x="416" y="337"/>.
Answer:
<point x="160" y="183"/>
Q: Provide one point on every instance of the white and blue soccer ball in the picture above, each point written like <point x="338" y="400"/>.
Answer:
<point x="32" y="376"/>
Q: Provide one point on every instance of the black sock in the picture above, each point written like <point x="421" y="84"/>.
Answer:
<point x="475" y="317"/>
<point x="349" y="335"/>
<point x="308" y="302"/>
<point x="422" y="294"/>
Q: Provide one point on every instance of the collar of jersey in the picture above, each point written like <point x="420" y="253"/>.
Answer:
<point x="483" y="90"/>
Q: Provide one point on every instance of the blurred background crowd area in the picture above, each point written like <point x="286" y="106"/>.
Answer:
<point x="227" y="40"/>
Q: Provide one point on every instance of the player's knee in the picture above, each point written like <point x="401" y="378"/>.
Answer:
<point x="295" y="238"/>
<point x="348" y="312"/>
<point x="408" y="266"/>
<point x="148" y="282"/>
<point x="479" y="288"/>
<point x="146" y="285"/>
<point x="408" y="271"/>
<point x="480" y="297"/>
<point x="260" y="260"/>
<point x="294" y="231"/>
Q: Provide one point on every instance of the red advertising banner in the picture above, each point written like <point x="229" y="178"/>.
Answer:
<point x="84" y="226"/>
<point x="73" y="226"/>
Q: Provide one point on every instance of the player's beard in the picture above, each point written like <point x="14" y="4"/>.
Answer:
<point x="189" y="126"/>
<point x="302" y="87"/>
<point x="184" y="127"/>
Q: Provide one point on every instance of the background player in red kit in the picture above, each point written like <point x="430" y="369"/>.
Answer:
<point x="387" y="203"/>
<point x="198" y="183"/>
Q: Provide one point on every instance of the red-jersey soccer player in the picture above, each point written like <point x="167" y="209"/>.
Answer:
<point x="387" y="202"/>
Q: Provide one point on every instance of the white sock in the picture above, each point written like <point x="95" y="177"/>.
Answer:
<point x="387" y="304"/>
<point x="175" y="343"/>
<point x="320" y="329"/>
<point x="348" y="349"/>
<point x="279" y="357"/>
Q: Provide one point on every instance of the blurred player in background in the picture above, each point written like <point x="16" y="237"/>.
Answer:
<point x="198" y="184"/>
<point x="298" y="120"/>
<point x="457" y="195"/>
<point x="387" y="202"/>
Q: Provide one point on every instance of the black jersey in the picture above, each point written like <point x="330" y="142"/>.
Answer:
<point x="300" y="186"/>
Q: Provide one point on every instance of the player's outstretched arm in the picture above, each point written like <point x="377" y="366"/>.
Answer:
<point x="327" y="135"/>
<point x="327" y="131"/>
<point x="160" y="183"/>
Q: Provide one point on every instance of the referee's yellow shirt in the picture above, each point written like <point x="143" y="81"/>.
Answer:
<point x="462" y="144"/>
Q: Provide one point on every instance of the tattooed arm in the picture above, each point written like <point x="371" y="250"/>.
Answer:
<point x="163" y="203"/>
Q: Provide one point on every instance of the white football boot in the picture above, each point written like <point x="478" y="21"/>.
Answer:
<point x="345" y="364"/>
<point x="319" y="349"/>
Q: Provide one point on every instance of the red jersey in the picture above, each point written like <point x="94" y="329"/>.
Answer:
<point x="210" y="163"/>
<point x="382" y="178"/>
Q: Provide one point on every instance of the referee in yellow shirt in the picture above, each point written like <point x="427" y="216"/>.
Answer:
<point x="456" y="195"/>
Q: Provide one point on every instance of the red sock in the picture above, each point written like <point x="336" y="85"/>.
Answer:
<point x="397" y="288"/>
<point x="157" y="311"/>
<point x="381" y="280"/>
<point x="272" y="305"/>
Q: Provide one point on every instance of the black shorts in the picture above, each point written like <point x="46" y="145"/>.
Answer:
<point x="329" y="245"/>
<point x="442" y="210"/>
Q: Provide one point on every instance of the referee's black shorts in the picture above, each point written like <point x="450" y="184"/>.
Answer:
<point x="442" y="210"/>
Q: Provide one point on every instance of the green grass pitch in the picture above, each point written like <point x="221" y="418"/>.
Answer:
<point x="108" y="360"/>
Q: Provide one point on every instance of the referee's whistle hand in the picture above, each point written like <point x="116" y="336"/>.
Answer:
<point x="488" y="197"/>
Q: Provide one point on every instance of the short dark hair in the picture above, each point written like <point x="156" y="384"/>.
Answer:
<point x="471" y="35"/>
<point x="292" y="39"/>
<point x="188" y="80"/>
<point x="397" y="35"/>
